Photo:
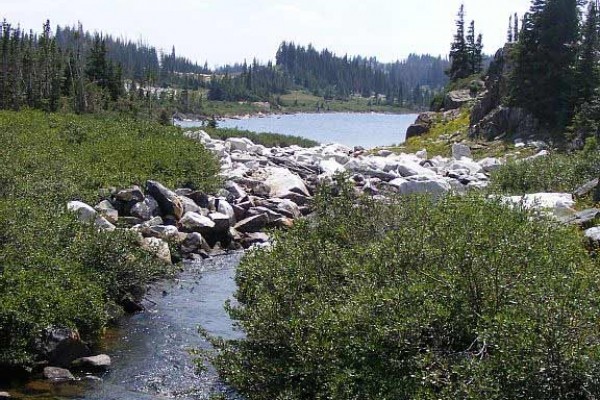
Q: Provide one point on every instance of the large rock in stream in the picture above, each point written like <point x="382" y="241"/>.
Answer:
<point x="167" y="200"/>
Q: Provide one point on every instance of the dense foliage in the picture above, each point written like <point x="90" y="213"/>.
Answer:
<point x="54" y="270"/>
<point x="553" y="173"/>
<point x="417" y="299"/>
<point x="265" y="138"/>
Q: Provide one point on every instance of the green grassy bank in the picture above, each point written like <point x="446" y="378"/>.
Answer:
<point x="54" y="270"/>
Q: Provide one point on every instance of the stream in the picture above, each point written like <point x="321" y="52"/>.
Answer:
<point x="150" y="352"/>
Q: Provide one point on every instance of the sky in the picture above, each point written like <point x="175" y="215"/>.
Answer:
<point x="229" y="31"/>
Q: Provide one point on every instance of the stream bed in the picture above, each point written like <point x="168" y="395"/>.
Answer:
<point x="150" y="352"/>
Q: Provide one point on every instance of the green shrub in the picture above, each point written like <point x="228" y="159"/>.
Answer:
<point x="266" y="139"/>
<point x="556" y="172"/>
<point x="53" y="269"/>
<point x="457" y="299"/>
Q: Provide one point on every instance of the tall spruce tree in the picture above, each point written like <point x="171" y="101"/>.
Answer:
<point x="543" y="77"/>
<point x="459" y="53"/>
<point x="588" y="69"/>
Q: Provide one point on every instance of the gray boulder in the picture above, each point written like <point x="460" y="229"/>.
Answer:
<point x="145" y="209"/>
<point x="490" y="164"/>
<point x="60" y="346"/>
<point x="255" y="223"/>
<point x="108" y="211"/>
<point x="235" y="190"/>
<point x="104" y="225"/>
<point x="158" y="248"/>
<point x="416" y="130"/>
<point x="222" y="206"/>
<point x="5" y="396"/>
<point x="194" y="222"/>
<point x="85" y="213"/>
<point x="254" y="238"/>
<point x="55" y="374"/>
<point x="593" y="234"/>
<point x="420" y="185"/>
<point x="460" y="150"/>
<point x="134" y="194"/>
<point x="457" y="98"/>
<point x="167" y="200"/>
<point x="299" y="199"/>
<point x="194" y="243"/>
<point x="222" y="222"/>
<point x="586" y="188"/>
<point x="189" y="205"/>
<point x="282" y="181"/>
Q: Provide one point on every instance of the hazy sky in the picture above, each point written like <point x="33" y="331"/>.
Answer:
<point x="226" y="31"/>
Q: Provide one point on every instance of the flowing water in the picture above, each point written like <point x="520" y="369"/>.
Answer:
<point x="350" y="129"/>
<point x="151" y="351"/>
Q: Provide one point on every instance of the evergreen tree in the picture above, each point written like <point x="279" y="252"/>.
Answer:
<point x="459" y="55"/>
<point x="509" y="34"/>
<point x="587" y="70"/>
<point x="542" y="79"/>
<point x="515" y="34"/>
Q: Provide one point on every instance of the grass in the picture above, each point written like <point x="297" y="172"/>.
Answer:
<point x="444" y="132"/>
<point x="266" y="139"/>
<point x="53" y="269"/>
<point x="553" y="173"/>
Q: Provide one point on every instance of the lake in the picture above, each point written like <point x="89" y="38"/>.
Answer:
<point x="351" y="129"/>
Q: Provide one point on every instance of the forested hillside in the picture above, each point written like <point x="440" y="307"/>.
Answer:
<point x="75" y="70"/>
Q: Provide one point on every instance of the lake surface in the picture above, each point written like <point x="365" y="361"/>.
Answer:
<point x="350" y="129"/>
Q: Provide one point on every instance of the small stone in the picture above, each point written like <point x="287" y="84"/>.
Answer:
<point x="99" y="362"/>
<point x="55" y="374"/>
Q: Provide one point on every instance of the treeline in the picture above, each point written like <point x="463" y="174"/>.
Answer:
<point x="36" y="72"/>
<point x="556" y="73"/>
<point x="254" y="82"/>
<point x="73" y="69"/>
<point x="413" y="81"/>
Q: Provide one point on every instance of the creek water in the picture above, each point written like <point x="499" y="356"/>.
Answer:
<point x="350" y="129"/>
<point x="152" y="351"/>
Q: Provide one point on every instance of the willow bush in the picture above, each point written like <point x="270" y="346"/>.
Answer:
<point x="460" y="298"/>
<point x="53" y="269"/>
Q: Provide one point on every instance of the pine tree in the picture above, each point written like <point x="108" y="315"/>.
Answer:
<point x="515" y="34"/>
<point x="459" y="56"/>
<point x="542" y="79"/>
<point x="509" y="33"/>
<point x="587" y="70"/>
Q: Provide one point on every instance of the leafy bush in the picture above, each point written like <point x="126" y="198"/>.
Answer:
<point x="461" y="298"/>
<point x="556" y="172"/>
<point x="266" y="139"/>
<point x="53" y="269"/>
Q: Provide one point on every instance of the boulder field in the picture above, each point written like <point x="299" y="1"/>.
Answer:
<point x="271" y="187"/>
